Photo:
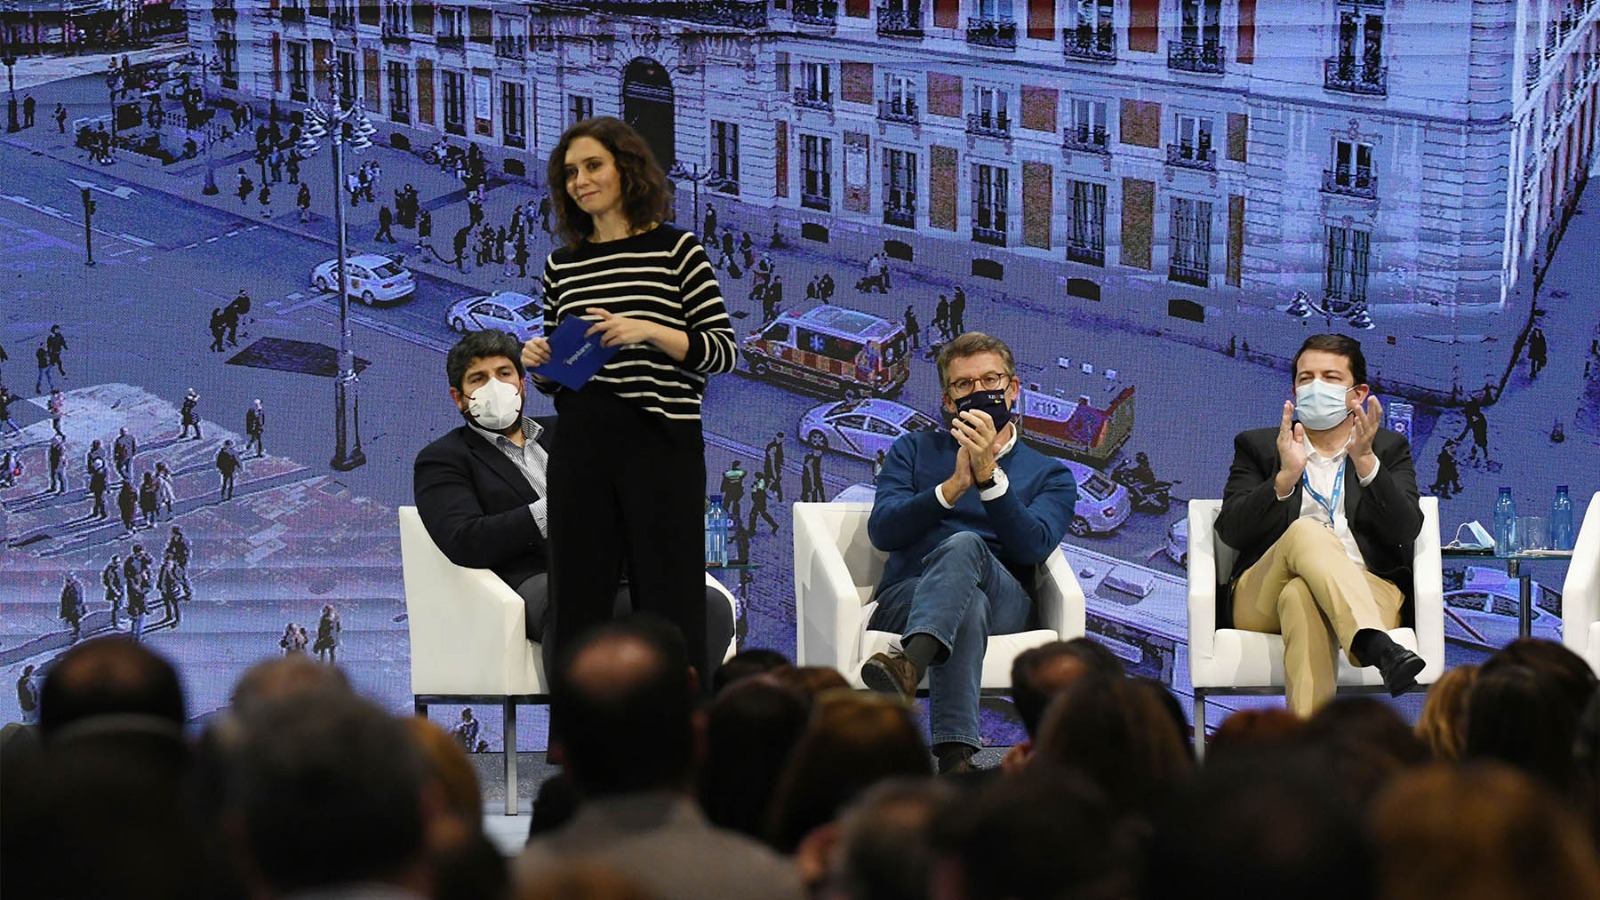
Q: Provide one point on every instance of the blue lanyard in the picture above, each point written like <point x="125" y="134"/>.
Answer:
<point x="1328" y="504"/>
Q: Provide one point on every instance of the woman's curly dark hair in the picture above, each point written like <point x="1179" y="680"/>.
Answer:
<point x="646" y="192"/>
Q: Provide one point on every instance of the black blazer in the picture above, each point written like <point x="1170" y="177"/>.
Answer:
<point x="474" y="503"/>
<point x="1385" y="516"/>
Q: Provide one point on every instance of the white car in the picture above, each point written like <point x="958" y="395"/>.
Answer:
<point x="510" y="311"/>
<point x="861" y="427"/>
<point x="1177" y="542"/>
<point x="1102" y="506"/>
<point x="371" y="278"/>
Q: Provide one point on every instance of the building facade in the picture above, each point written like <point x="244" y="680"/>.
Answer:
<point x="1184" y="165"/>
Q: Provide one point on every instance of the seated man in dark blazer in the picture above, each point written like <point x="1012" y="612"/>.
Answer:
<point x="480" y="489"/>
<point x="1324" y="514"/>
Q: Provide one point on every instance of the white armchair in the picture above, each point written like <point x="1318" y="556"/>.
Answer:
<point x="468" y="637"/>
<point x="836" y="568"/>
<point x="1580" y="594"/>
<point x="1234" y="661"/>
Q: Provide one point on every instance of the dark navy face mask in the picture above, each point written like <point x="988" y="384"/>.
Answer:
<point x="992" y="402"/>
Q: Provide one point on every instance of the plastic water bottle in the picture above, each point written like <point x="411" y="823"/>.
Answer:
<point x="716" y="532"/>
<point x="1561" y="519"/>
<point x="1505" y="523"/>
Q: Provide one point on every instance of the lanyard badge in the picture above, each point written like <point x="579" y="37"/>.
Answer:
<point x="1328" y="504"/>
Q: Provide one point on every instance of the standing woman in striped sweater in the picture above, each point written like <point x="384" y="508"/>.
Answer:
<point x="627" y="469"/>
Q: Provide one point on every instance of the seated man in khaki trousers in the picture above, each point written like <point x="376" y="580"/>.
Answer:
<point x="1324" y="514"/>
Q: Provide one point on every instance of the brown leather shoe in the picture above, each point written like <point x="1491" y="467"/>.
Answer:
<point x="890" y="673"/>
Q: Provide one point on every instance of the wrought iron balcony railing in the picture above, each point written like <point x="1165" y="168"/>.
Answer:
<point x="1348" y="76"/>
<point x="1184" y="273"/>
<point x="988" y="125"/>
<point x="1084" y="253"/>
<point x="511" y="46"/>
<point x="1086" y="139"/>
<point x="1208" y="57"/>
<point x="902" y="216"/>
<point x="993" y="236"/>
<point x="903" y="22"/>
<point x="1359" y="183"/>
<point x="810" y="99"/>
<point x="898" y="109"/>
<point x="814" y="201"/>
<point x="1094" y="45"/>
<point x="816" y="12"/>
<point x="1190" y="156"/>
<point x="451" y="42"/>
<point x="1000" y="34"/>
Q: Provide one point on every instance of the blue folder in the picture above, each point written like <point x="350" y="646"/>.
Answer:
<point x="574" y="358"/>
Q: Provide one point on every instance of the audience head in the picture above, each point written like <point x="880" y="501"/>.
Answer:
<point x="1479" y="832"/>
<point x="810" y="682"/>
<point x="745" y="664"/>
<point x="852" y="741"/>
<point x="884" y="850"/>
<point x="750" y="730"/>
<point x="622" y="703"/>
<point x="1040" y="673"/>
<point x="1518" y="715"/>
<point x="1249" y="731"/>
<point x="1041" y="834"/>
<point x="284" y="677"/>
<point x="1268" y="828"/>
<point x="1569" y="672"/>
<point x="328" y="790"/>
<point x="110" y="677"/>
<point x="1363" y="743"/>
<point x="1120" y="734"/>
<point x="464" y="861"/>
<point x="1443" y="723"/>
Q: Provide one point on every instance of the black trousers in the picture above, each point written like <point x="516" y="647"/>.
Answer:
<point x="626" y="492"/>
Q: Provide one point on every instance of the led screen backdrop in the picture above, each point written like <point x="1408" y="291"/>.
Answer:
<point x="1154" y="202"/>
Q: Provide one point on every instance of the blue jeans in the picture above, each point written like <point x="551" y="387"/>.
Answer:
<point x="963" y="595"/>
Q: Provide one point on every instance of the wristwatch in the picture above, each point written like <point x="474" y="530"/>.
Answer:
<point x="988" y="482"/>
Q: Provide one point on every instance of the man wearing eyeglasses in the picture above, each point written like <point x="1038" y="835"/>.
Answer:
<point x="966" y="516"/>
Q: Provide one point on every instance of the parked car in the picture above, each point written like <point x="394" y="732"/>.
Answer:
<point x="1176" y="545"/>
<point x="371" y="278"/>
<point x="1483" y="611"/>
<point x="861" y="427"/>
<point x="1102" y="503"/>
<point x="510" y="311"/>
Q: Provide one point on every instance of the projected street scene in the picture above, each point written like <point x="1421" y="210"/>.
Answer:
<point x="1154" y="209"/>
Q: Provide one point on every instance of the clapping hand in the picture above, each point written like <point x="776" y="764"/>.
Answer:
<point x="1367" y="416"/>
<point x="1291" y="451"/>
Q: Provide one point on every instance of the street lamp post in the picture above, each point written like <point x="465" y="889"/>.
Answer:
<point x="343" y="125"/>
<point x="206" y="64"/>
<point x="694" y="176"/>
<point x="10" y="60"/>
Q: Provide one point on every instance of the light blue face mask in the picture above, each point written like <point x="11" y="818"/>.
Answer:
<point x="1320" y="405"/>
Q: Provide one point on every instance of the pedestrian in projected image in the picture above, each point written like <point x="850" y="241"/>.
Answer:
<point x="228" y="463"/>
<point x="646" y="287"/>
<point x="329" y="629"/>
<point x="111" y="580"/>
<point x="73" y="609"/>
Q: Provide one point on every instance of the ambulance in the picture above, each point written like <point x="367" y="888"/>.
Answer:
<point x="832" y="349"/>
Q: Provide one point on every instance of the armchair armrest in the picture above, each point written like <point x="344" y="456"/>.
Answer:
<point x="468" y="634"/>
<point x="827" y="602"/>
<point x="1580" y="593"/>
<point x="1202" y="577"/>
<point x="1061" y="601"/>
<point x="1427" y="592"/>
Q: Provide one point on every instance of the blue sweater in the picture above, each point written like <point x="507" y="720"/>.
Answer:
<point x="1022" y="526"/>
